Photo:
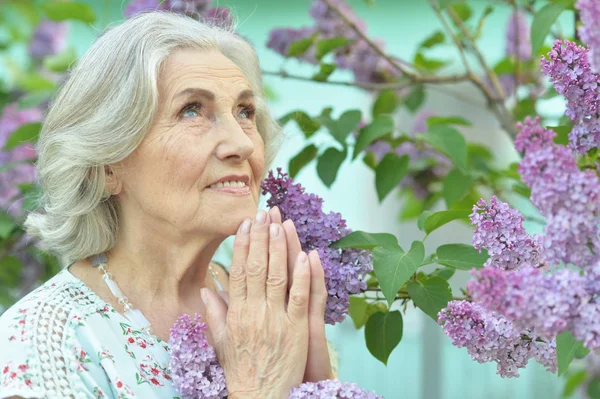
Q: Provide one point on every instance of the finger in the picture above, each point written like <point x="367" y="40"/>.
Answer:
<point x="275" y="215"/>
<point x="258" y="258"/>
<point x="237" y="272"/>
<point x="277" y="274"/>
<point x="294" y="248"/>
<point x="318" y="290"/>
<point x="300" y="291"/>
<point x="225" y="296"/>
<point x="216" y="317"/>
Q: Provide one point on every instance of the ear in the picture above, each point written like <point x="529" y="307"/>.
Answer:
<point x="113" y="184"/>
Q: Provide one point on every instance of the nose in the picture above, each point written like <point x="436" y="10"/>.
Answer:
<point x="234" y="143"/>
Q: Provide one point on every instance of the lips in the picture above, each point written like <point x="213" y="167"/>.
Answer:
<point x="233" y="181"/>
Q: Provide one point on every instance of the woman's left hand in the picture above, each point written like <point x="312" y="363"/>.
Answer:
<point x="318" y="364"/>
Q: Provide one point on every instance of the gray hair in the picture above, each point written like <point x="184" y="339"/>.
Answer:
<point x="102" y="113"/>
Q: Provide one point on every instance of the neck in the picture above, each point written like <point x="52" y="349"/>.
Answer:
<point x="161" y="268"/>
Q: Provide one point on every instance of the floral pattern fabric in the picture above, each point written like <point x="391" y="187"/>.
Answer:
<point x="63" y="341"/>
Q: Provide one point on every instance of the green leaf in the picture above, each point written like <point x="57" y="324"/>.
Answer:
<point x="307" y="124"/>
<point x="300" y="47"/>
<point x="393" y="267"/>
<point x="386" y="103"/>
<point x="439" y="219"/>
<point x="448" y="141"/>
<point x="326" y="45"/>
<point x="61" y="62"/>
<point x="34" y="82"/>
<point x="61" y="11"/>
<point x="428" y="64"/>
<point x="422" y="218"/>
<point x="543" y="21"/>
<point x="566" y="347"/>
<point x="34" y="98"/>
<point x="363" y="240"/>
<point x="461" y="256"/>
<point x="430" y="295"/>
<point x="574" y="381"/>
<point x="505" y="66"/>
<point x="562" y="133"/>
<point x="389" y="173"/>
<point x="446" y="273"/>
<point x="7" y="225"/>
<point x="456" y="184"/>
<point x="370" y="159"/>
<point x="463" y="11"/>
<point x="347" y="123"/>
<point x="302" y="159"/>
<point x="27" y="133"/>
<point x="446" y="3"/>
<point x="381" y="125"/>
<point x="593" y="389"/>
<point x="447" y="120"/>
<point x="10" y="270"/>
<point x="324" y="72"/>
<point x="434" y="39"/>
<point x="360" y="310"/>
<point x="328" y="164"/>
<point x="383" y="333"/>
<point x="415" y="98"/>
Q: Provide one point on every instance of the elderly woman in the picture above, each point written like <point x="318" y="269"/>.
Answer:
<point x="150" y="155"/>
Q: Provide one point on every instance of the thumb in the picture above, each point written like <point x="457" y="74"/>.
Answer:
<point x="216" y="316"/>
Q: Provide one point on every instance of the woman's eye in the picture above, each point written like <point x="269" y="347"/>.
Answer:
<point x="246" y="113"/>
<point x="191" y="110"/>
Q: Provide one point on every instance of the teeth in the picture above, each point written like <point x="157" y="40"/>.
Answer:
<point x="228" y="184"/>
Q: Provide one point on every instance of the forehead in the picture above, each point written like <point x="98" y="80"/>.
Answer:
<point x="196" y="68"/>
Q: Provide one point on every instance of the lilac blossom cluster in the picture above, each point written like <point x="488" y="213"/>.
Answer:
<point x="569" y="70"/>
<point x="194" y="366"/>
<point x="197" y="9"/>
<point x="499" y="229"/>
<point x="49" y="38"/>
<point x="518" y="43"/>
<point x="357" y="56"/>
<point x="547" y="303"/>
<point x="331" y="389"/>
<point x="427" y="163"/>
<point x="345" y="269"/>
<point x="568" y="197"/>
<point x="489" y="337"/>
<point x="589" y="12"/>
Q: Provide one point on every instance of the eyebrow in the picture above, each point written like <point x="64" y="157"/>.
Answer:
<point x="209" y="95"/>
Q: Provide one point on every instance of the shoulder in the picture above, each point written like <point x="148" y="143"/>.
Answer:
<point x="39" y="341"/>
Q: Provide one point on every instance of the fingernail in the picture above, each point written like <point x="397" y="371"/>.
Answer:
<point x="204" y="296"/>
<point x="274" y="230"/>
<point x="302" y="257"/>
<point x="261" y="216"/>
<point x="244" y="227"/>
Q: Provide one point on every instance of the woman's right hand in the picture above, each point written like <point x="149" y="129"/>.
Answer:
<point x="260" y="341"/>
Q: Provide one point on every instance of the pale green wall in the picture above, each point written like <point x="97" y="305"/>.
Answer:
<point x="435" y="370"/>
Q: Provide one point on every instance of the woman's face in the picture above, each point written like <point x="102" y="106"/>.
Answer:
<point x="199" y="167"/>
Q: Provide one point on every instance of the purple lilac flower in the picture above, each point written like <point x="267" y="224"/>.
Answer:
<point x="49" y="38"/>
<point x="546" y="303"/>
<point x="586" y="326"/>
<point x="22" y="173"/>
<point x="518" y="43"/>
<point x="346" y="268"/>
<point x="589" y="12"/>
<point x="569" y="70"/>
<point x="566" y="196"/>
<point x="194" y="366"/>
<point x="280" y="40"/>
<point x="489" y="337"/>
<point x="220" y="16"/>
<point x="545" y="354"/>
<point x="331" y="389"/>
<point x="137" y="6"/>
<point x="499" y="229"/>
<point x="329" y="24"/>
<point x="192" y="8"/>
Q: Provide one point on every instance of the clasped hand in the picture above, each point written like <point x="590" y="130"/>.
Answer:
<point x="269" y="331"/>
